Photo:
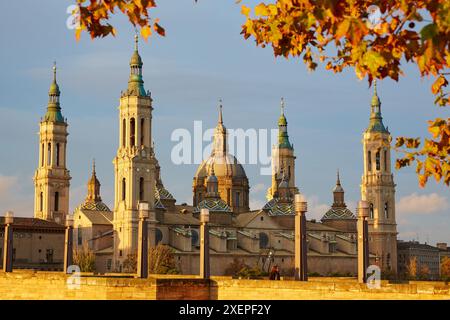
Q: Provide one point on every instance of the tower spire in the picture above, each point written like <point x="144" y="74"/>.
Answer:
<point x="53" y="113"/>
<point x="376" y="120"/>
<point x="136" y="83"/>
<point x="93" y="186"/>
<point x="338" y="193"/>
<point x="283" y="137"/>
<point x="220" y="134"/>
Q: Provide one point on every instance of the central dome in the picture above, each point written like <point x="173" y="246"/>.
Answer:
<point x="225" y="165"/>
<point x="233" y="187"/>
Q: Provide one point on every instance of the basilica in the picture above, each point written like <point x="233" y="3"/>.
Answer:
<point x="259" y="238"/>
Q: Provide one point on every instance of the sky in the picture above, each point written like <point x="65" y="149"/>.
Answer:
<point x="202" y="58"/>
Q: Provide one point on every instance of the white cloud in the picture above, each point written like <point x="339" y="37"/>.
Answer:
<point x="256" y="204"/>
<point x="422" y="204"/>
<point x="316" y="210"/>
<point x="14" y="198"/>
<point x="258" y="188"/>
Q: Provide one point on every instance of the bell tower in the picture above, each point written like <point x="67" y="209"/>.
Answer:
<point x="52" y="179"/>
<point x="378" y="189"/>
<point x="134" y="165"/>
<point x="283" y="160"/>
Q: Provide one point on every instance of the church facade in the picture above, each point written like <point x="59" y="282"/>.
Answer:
<point x="259" y="238"/>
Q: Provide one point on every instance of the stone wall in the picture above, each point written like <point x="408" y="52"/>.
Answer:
<point x="51" y="285"/>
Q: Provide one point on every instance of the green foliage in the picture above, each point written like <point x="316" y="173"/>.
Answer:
<point x="130" y="263"/>
<point x="84" y="258"/>
<point x="162" y="260"/>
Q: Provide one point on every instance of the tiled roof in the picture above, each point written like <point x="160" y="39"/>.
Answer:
<point x="276" y="208"/>
<point x="94" y="206"/>
<point x="338" y="213"/>
<point x="99" y="217"/>
<point x="214" y="205"/>
<point x="22" y="222"/>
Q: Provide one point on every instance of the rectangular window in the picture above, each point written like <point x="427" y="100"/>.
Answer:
<point x="80" y="236"/>
<point x="49" y="255"/>
<point x="237" y="199"/>
<point x="56" y="201"/>
<point x="57" y="154"/>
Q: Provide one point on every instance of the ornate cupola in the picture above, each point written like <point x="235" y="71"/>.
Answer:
<point x="212" y="185"/>
<point x="339" y="216"/>
<point x="136" y="83"/>
<point x="53" y="107"/>
<point x="283" y="137"/>
<point x="338" y="193"/>
<point x="93" y="187"/>
<point x="376" y="120"/>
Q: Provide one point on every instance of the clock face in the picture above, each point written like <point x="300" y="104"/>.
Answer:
<point x="143" y="153"/>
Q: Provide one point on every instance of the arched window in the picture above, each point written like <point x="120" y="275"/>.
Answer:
<point x="142" y="131"/>
<point x="371" y="211"/>
<point x="369" y="161"/>
<point x="49" y="154"/>
<point x="124" y="186"/>
<point x="57" y="154"/>
<point x="41" y="201"/>
<point x="386" y="210"/>
<point x="56" y="201"/>
<point x="80" y="236"/>
<point x="132" y="132"/>
<point x="124" y="132"/>
<point x="263" y="240"/>
<point x="289" y="172"/>
<point x="377" y="160"/>
<point x="158" y="236"/>
<point x="141" y="189"/>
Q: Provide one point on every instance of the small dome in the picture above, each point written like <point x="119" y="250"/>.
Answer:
<point x="282" y="120"/>
<point x="136" y="59"/>
<point x="212" y="179"/>
<point x="54" y="89"/>
<point x="338" y="188"/>
<point x="225" y="165"/>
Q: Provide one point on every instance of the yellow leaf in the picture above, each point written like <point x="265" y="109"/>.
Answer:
<point x="245" y="10"/>
<point x="261" y="10"/>
<point x="146" y="32"/>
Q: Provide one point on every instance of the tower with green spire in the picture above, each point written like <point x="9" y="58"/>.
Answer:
<point x="283" y="159"/>
<point x="378" y="189"/>
<point x="53" y="107"/>
<point x="134" y="164"/>
<point x="52" y="179"/>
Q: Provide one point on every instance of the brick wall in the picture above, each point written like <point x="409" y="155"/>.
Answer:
<point x="52" y="285"/>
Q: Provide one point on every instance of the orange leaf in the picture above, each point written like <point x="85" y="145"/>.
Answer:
<point x="146" y="32"/>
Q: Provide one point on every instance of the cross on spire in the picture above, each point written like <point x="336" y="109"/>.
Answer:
<point x="54" y="71"/>
<point x="220" y="112"/>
